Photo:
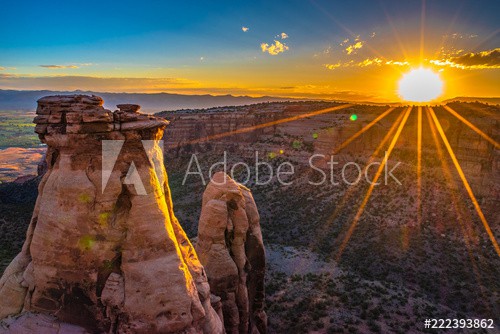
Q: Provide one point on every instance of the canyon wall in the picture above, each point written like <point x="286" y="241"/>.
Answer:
<point x="214" y="132"/>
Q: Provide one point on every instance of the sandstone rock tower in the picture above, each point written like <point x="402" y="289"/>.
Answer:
<point x="104" y="250"/>
<point x="230" y="248"/>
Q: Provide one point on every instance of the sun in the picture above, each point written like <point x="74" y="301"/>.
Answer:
<point x="420" y="85"/>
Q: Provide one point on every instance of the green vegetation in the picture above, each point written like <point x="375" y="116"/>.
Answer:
<point x="17" y="129"/>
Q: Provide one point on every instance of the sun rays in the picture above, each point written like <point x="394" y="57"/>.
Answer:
<point x="472" y="126"/>
<point x="363" y="130"/>
<point x="392" y="135"/>
<point x="426" y="85"/>
<point x="464" y="181"/>
<point x="268" y="124"/>
<point x="435" y="126"/>
<point x="372" y="185"/>
<point x="419" y="166"/>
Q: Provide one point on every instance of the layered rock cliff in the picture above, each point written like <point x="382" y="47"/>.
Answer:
<point x="104" y="250"/>
<point x="214" y="132"/>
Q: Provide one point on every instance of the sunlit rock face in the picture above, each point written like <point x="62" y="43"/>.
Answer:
<point x="230" y="248"/>
<point x="104" y="250"/>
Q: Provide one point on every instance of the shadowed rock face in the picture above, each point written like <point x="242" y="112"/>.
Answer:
<point x="230" y="248"/>
<point x="105" y="253"/>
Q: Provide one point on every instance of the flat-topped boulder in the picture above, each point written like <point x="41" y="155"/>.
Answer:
<point x="129" y="107"/>
<point x="70" y="99"/>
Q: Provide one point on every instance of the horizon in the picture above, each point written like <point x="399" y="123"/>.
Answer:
<point x="291" y="99"/>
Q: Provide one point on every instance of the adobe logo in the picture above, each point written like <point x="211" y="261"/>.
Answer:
<point x="111" y="150"/>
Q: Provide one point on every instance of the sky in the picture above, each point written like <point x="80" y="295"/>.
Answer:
<point x="354" y="50"/>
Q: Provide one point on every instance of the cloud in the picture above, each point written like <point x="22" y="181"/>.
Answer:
<point x="366" y="62"/>
<point x="373" y="34"/>
<point x="332" y="66"/>
<point x="460" y="36"/>
<point x="274" y="49"/>
<point x="2" y="68"/>
<point x="57" y="67"/>
<point x="344" y="42"/>
<point x="478" y="60"/>
<point x="370" y="61"/>
<point x="7" y="75"/>
<point x="245" y="29"/>
<point x="378" y="62"/>
<point x="353" y="47"/>
<point x="283" y="35"/>
<point x="397" y="63"/>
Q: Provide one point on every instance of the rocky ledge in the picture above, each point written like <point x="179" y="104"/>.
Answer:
<point x="82" y="114"/>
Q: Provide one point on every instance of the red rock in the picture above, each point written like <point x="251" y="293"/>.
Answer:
<point x="105" y="256"/>
<point x="231" y="249"/>
<point x="97" y="116"/>
<point x="131" y="108"/>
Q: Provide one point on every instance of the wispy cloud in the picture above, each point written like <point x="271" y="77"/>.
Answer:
<point x="366" y="62"/>
<point x="7" y="75"/>
<point x="397" y="63"/>
<point x="460" y="36"/>
<point x="245" y="29"/>
<point x="332" y="66"/>
<point x="71" y="66"/>
<point x="283" y="35"/>
<point x="478" y="60"/>
<point x="2" y="68"/>
<point x="274" y="49"/>
<point x="370" y="62"/>
<point x="57" y="67"/>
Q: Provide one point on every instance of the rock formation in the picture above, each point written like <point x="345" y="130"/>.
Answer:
<point x="230" y="248"/>
<point x="104" y="251"/>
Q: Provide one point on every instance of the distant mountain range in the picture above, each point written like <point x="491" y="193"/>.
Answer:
<point x="26" y="100"/>
<point x="488" y="100"/>
<point x="151" y="103"/>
